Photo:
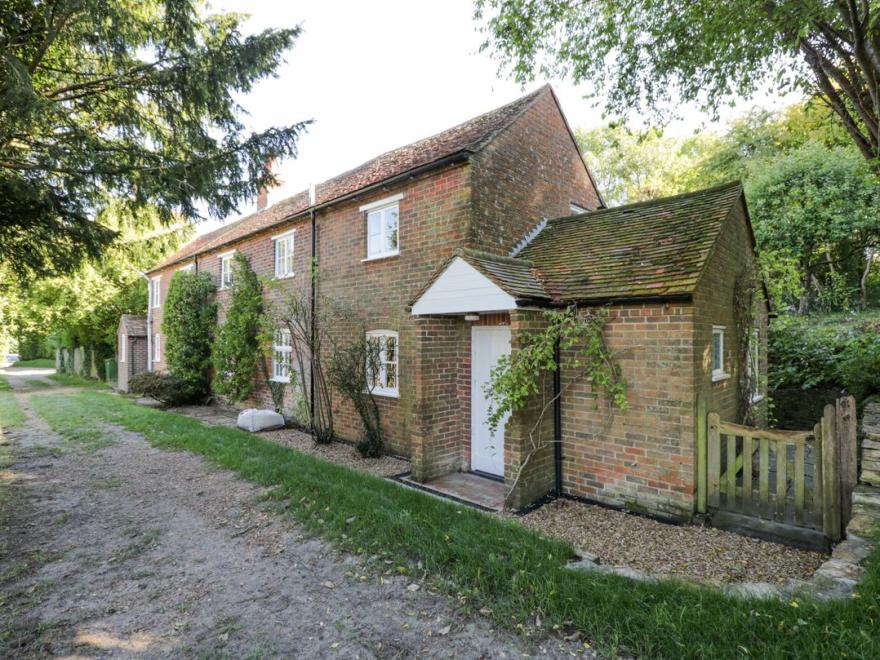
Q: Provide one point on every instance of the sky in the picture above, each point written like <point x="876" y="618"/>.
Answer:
<point x="381" y="74"/>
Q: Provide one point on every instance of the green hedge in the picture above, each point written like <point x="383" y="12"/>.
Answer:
<point x="188" y="326"/>
<point x="826" y="352"/>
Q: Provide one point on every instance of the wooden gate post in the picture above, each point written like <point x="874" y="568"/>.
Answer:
<point x="830" y="475"/>
<point x="846" y="447"/>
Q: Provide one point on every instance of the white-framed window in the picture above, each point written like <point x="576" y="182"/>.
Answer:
<point x="383" y="230"/>
<point x="282" y="351"/>
<point x="383" y="378"/>
<point x="754" y="365"/>
<point x="187" y="269"/>
<point x="718" y="372"/>
<point x="226" y="270"/>
<point x="284" y="254"/>
<point x="157" y="347"/>
<point x="122" y="339"/>
<point x="576" y="209"/>
<point x="156" y="292"/>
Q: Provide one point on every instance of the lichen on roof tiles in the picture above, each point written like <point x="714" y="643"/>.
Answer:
<point x="647" y="249"/>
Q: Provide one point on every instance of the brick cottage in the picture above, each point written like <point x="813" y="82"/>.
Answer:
<point x="452" y="247"/>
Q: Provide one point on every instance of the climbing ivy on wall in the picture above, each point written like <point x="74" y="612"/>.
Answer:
<point x="239" y="346"/>
<point x="524" y="375"/>
<point x="188" y="329"/>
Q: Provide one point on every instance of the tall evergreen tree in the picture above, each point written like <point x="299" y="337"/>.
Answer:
<point x="129" y="101"/>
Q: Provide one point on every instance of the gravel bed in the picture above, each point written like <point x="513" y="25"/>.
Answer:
<point x="685" y="551"/>
<point x="340" y="453"/>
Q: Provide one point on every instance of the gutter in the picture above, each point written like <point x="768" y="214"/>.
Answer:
<point x="312" y="302"/>
<point x="557" y="419"/>
<point x="149" y="323"/>
<point x="458" y="157"/>
<point x="595" y="302"/>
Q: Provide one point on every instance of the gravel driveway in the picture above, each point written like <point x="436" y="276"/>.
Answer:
<point x="136" y="551"/>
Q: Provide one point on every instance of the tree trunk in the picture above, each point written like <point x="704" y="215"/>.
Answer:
<point x="863" y="281"/>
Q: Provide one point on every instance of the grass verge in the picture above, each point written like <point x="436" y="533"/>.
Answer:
<point x="70" y="380"/>
<point x="10" y="413"/>
<point x="71" y="421"/>
<point x="43" y="363"/>
<point x="514" y="573"/>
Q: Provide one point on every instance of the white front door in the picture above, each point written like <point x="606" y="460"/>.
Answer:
<point x="488" y="343"/>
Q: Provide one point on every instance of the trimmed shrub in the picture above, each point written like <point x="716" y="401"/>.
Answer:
<point x="167" y="389"/>
<point x="188" y="326"/>
<point x="237" y="350"/>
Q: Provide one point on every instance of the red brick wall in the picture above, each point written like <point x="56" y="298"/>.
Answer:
<point x="644" y="457"/>
<point x="714" y="304"/>
<point x="531" y="171"/>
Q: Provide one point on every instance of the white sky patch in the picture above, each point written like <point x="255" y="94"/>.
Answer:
<point x="378" y="75"/>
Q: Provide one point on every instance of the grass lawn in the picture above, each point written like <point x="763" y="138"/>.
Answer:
<point x="48" y="363"/>
<point x="71" y="380"/>
<point x="490" y="563"/>
<point x="10" y="413"/>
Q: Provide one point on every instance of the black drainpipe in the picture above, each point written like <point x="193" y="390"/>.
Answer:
<point x="557" y="418"/>
<point x="312" y="303"/>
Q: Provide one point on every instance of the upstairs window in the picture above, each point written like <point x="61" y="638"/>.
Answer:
<point x="282" y="351"/>
<point x="284" y="255"/>
<point x="155" y="292"/>
<point x="187" y="269"/>
<point x="718" y="372"/>
<point x="383" y="227"/>
<point x="382" y="371"/>
<point x="226" y="270"/>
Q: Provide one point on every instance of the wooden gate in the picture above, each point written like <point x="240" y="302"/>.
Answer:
<point x="802" y="478"/>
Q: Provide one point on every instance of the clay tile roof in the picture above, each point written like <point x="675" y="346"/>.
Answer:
<point x="134" y="326"/>
<point x="649" y="249"/>
<point x="240" y="228"/>
<point x="469" y="137"/>
<point x="512" y="274"/>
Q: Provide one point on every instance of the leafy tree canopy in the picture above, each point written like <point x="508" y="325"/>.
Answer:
<point x="649" y="54"/>
<point x="633" y="167"/>
<point x="129" y="101"/>
<point x="82" y="308"/>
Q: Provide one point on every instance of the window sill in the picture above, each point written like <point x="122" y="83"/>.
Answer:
<point x="719" y="376"/>
<point x="284" y="277"/>
<point x="279" y="380"/>
<point x="380" y="257"/>
<point x="388" y="394"/>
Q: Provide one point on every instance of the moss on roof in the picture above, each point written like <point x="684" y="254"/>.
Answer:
<point x="650" y="249"/>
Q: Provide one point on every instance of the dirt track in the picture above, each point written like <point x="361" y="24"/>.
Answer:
<point x="135" y="551"/>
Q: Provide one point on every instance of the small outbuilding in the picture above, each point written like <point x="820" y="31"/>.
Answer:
<point x="131" y="349"/>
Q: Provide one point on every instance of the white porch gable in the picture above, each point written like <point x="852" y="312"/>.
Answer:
<point x="460" y="289"/>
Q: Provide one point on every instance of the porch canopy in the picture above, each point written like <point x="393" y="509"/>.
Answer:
<point x="474" y="281"/>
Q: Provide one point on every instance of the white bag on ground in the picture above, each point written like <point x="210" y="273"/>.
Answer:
<point x="254" y="419"/>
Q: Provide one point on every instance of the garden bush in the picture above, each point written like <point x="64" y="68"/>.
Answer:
<point x="237" y="350"/>
<point x="188" y="326"/>
<point x="826" y="352"/>
<point x="168" y="389"/>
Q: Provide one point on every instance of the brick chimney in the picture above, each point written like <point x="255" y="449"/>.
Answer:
<point x="263" y="195"/>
